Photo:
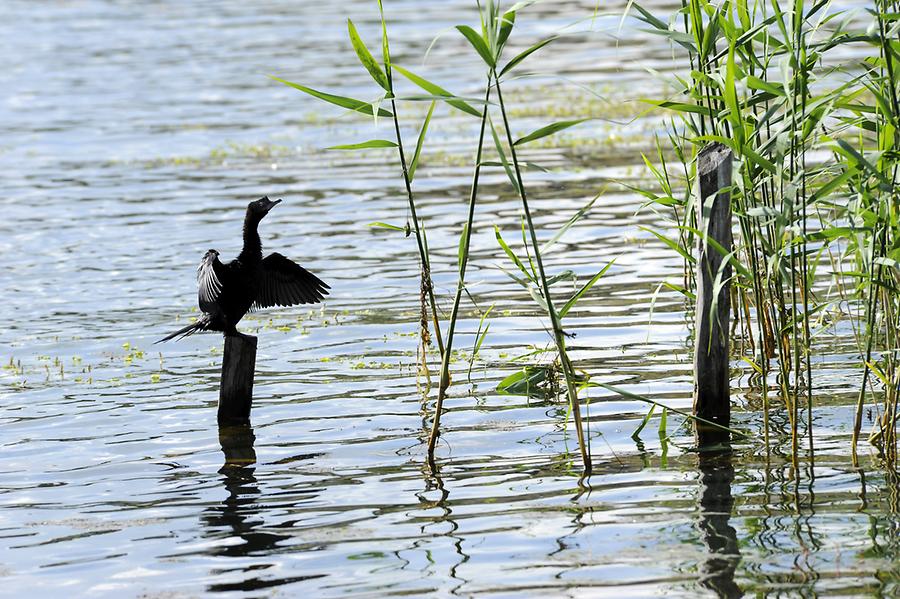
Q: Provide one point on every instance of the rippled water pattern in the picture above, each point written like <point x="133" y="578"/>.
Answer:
<point x="133" y="136"/>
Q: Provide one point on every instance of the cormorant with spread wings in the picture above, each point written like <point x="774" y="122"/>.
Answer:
<point x="228" y="290"/>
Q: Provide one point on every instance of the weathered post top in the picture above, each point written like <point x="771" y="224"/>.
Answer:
<point x="713" y="157"/>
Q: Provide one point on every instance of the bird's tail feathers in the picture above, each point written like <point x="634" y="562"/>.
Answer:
<point x="202" y="324"/>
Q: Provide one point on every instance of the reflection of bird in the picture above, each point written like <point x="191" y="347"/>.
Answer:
<point x="228" y="291"/>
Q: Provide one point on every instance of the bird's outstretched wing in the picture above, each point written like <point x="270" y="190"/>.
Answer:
<point x="286" y="283"/>
<point x="209" y="280"/>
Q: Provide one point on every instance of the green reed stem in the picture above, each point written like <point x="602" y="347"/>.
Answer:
<point x="558" y="334"/>
<point x="423" y="251"/>
<point x="460" y="286"/>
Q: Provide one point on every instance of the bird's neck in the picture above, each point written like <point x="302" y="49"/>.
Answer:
<point x="252" y="251"/>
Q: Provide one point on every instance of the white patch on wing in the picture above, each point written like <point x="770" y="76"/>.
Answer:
<point x="208" y="282"/>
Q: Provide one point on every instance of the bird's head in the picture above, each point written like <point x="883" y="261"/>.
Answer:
<point x="259" y="208"/>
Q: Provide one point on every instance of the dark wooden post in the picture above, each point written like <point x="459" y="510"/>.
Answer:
<point x="712" y="399"/>
<point x="236" y="387"/>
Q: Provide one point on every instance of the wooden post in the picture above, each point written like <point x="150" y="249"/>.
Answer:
<point x="236" y="387"/>
<point x="712" y="399"/>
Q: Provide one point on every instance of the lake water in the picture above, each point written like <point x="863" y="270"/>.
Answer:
<point x="134" y="134"/>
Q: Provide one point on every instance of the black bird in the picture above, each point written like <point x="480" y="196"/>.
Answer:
<point x="228" y="291"/>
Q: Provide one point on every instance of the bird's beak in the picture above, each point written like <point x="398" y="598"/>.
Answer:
<point x="274" y="203"/>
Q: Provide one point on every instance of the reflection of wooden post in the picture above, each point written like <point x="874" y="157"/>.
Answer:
<point x="236" y="388"/>
<point x="237" y="441"/>
<point x="712" y="399"/>
<point x="716" y="570"/>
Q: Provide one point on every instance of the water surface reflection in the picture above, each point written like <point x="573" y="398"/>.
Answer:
<point x="716" y="469"/>
<point x="240" y="519"/>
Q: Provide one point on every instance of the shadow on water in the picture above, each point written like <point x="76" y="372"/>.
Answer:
<point x="240" y="515"/>
<point x="716" y="571"/>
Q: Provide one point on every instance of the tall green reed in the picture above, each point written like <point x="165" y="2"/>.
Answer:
<point x="463" y="260"/>
<point x="382" y="74"/>
<point x="872" y="173"/>
<point x="488" y="44"/>
<point x="814" y="190"/>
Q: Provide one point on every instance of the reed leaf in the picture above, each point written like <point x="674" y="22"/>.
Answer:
<point x="518" y="58"/>
<point x="381" y="225"/>
<point x="372" y="143"/>
<point x="679" y="106"/>
<point x="506" y="166"/>
<point x="671" y="243"/>
<point x="636" y="435"/>
<point x="414" y="163"/>
<point x="385" y="49"/>
<point x="366" y="58"/>
<point x="580" y="293"/>
<point x="438" y="91"/>
<point x="569" y="223"/>
<point x="478" y="43"/>
<point x="343" y="102"/>
<point x="506" y="27"/>
<point x="463" y="247"/>
<point x="548" y="130"/>
<point x="511" y="255"/>
<point x="688" y="415"/>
